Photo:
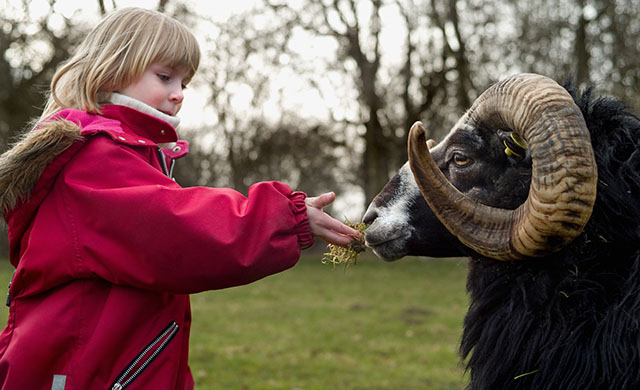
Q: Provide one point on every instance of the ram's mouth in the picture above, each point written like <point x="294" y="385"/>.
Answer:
<point x="388" y="247"/>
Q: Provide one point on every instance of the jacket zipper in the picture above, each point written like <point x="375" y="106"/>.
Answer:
<point x="163" y="163"/>
<point x="144" y="358"/>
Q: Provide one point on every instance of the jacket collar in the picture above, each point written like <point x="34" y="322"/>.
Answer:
<point x="140" y="118"/>
<point x="134" y="122"/>
<point x="124" y="100"/>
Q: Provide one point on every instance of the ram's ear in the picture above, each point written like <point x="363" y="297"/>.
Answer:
<point x="514" y="146"/>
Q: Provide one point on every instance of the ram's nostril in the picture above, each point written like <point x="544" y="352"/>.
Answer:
<point x="370" y="216"/>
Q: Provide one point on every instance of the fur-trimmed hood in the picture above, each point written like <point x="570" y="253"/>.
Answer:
<point x="23" y="164"/>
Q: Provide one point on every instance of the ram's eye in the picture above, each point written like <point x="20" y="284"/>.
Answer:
<point x="461" y="160"/>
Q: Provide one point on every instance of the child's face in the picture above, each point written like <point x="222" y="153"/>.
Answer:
<point x="160" y="87"/>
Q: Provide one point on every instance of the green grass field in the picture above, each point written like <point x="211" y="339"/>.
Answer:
<point x="373" y="326"/>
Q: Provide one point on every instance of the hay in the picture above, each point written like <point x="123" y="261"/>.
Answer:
<point x="347" y="255"/>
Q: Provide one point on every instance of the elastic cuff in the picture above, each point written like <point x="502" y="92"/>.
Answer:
<point x="302" y="228"/>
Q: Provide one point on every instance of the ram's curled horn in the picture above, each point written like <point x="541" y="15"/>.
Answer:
<point x="564" y="173"/>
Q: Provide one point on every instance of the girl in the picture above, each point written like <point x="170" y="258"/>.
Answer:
<point x="106" y="245"/>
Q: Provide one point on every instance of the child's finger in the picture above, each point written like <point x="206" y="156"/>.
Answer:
<point x="336" y="238"/>
<point x="340" y="227"/>
<point x="326" y="221"/>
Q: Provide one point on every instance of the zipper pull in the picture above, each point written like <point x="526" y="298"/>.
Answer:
<point x="8" y="303"/>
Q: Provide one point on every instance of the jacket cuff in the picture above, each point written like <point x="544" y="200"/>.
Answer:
<point x="302" y="228"/>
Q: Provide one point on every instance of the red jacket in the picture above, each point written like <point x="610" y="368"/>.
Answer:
<point x="107" y="248"/>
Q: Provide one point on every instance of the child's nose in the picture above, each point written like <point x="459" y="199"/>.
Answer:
<point x="176" y="95"/>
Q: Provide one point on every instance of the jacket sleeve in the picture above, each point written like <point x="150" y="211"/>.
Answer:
<point x="134" y="226"/>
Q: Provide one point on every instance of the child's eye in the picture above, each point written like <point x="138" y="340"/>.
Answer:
<point x="164" y="77"/>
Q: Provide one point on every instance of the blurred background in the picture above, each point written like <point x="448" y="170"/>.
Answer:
<point x="321" y="94"/>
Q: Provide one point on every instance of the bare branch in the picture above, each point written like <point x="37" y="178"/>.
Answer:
<point x="162" y="5"/>
<point x="102" y="8"/>
<point x="464" y="83"/>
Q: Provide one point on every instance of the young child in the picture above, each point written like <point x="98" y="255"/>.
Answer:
<point x="106" y="245"/>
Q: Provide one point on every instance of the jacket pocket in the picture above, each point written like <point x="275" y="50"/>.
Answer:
<point x="144" y="358"/>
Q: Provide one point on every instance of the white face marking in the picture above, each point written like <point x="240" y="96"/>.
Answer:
<point x="389" y="233"/>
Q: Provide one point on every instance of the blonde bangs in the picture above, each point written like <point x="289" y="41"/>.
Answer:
<point x="163" y="40"/>
<point x="159" y="40"/>
<point x="178" y="48"/>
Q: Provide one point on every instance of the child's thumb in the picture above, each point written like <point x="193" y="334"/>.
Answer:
<point x="322" y="200"/>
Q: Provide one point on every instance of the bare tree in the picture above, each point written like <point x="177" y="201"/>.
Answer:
<point x="255" y="136"/>
<point x="391" y="95"/>
<point x="616" y="48"/>
<point x="358" y="37"/>
<point x="31" y="50"/>
<point x="593" y="41"/>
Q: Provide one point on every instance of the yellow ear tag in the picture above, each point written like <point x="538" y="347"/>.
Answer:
<point x="519" y="140"/>
<point x="508" y="151"/>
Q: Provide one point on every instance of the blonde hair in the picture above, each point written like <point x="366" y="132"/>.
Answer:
<point x="116" y="53"/>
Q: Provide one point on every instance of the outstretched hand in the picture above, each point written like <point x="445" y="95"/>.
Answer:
<point x="323" y="225"/>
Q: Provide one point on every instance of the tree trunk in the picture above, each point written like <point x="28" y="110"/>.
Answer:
<point x="375" y="159"/>
<point x="580" y="47"/>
